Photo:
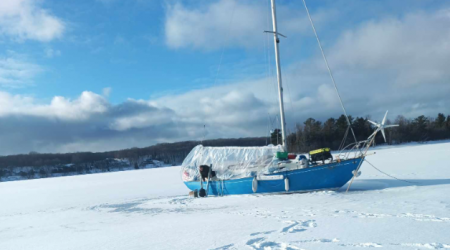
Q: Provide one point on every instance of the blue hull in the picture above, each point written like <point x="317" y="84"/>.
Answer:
<point x="323" y="177"/>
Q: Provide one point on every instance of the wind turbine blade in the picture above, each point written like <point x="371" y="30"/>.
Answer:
<point x="374" y="123"/>
<point x="384" y="136"/>
<point x="384" y="119"/>
<point x="390" y="126"/>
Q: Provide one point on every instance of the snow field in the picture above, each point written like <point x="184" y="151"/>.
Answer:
<point x="150" y="209"/>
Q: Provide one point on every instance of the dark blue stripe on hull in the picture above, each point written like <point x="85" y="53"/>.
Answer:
<point x="328" y="176"/>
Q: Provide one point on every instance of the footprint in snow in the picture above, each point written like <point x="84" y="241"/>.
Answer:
<point x="226" y="247"/>
<point x="309" y="223"/>
<point x="258" y="233"/>
<point x="292" y="228"/>
<point x="424" y="217"/>
<point x="372" y="215"/>
<point x="255" y="241"/>
<point x="339" y="212"/>
<point x="426" y="245"/>
<point x="369" y="244"/>
<point x="180" y="201"/>
<point x="262" y="244"/>
<point x="320" y="241"/>
<point x="298" y="226"/>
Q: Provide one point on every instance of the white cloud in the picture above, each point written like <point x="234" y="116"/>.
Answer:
<point x="415" y="48"/>
<point x="225" y="22"/>
<point x="326" y="95"/>
<point x="50" y="53"/>
<point x="61" y="108"/>
<point x="230" y="23"/>
<point x="106" y="91"/>
<point x="25" y="19"/>
<point x="16" y="70"/>
<point x="141" y="120"/>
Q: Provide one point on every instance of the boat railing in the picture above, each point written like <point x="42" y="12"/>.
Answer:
<point x="352" y="150"/>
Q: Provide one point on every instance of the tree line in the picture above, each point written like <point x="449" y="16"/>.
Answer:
<point x="313" y="134"/>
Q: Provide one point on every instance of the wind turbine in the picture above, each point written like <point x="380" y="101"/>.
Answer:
<point x="381" y="127"/>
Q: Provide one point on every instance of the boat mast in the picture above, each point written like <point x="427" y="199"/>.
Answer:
<point x="280" y="85"/>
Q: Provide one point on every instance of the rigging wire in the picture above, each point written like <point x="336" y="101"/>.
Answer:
<point x="290" y="97"/>
<point x="220" y="62"/>
<point x="329" y="70"/>
<point x="223" y="47"/>
<point x="344" y="139"/>
<point x="389" y="174"/>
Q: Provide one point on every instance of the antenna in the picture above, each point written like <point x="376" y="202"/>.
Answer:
<point x="381" y="126"/>
<point x="204" y="135"/>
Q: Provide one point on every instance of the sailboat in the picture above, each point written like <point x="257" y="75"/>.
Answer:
<point x="271" y="169"/>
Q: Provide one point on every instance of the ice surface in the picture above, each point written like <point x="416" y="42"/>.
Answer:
<point x="150" y="209"/>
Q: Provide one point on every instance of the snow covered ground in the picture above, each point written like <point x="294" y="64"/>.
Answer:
<point x="150" y="209"/>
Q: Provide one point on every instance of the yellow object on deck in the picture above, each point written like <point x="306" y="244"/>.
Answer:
<point x="317" y="151"/>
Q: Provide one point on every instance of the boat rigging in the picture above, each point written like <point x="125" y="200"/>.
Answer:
<point x="271" y="169"/>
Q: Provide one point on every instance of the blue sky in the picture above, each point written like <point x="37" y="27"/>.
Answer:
<point x="119" y="73"/>
<point x="117" y="44"/>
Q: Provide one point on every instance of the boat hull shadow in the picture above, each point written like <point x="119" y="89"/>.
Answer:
<point x="329" y="176"/>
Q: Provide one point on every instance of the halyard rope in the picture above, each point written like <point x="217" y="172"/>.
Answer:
<point x="389" y="174"/>
<point x="329" y="70"/>
<point x="343" y="139"/>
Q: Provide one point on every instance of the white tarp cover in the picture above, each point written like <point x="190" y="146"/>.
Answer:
<point x="229" y="162"/>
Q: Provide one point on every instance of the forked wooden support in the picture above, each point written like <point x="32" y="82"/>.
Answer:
<point x="363" y="155"/>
